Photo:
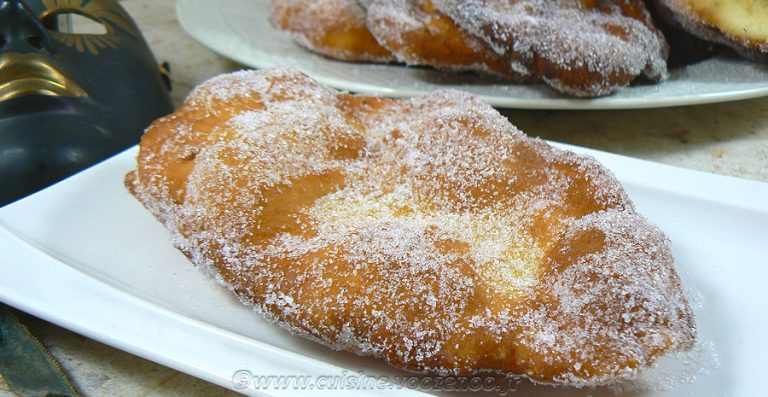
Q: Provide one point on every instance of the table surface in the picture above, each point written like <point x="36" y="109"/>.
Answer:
<point x="728" y="139"/>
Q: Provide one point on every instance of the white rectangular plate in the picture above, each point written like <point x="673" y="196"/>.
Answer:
<point x="86" y="255"/>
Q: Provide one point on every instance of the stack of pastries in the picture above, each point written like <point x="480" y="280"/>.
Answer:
<point x="584" y="48"/>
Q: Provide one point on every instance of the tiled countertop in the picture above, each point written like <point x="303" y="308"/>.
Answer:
<point x="729" y="139"/>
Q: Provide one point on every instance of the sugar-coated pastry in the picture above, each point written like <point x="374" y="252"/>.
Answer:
<point x="739" y="24"/>
<point x="428" y="232"/>
<point x="419" y="34"/>
<point x="335" y="28"/>
<point x="582" y="47"/>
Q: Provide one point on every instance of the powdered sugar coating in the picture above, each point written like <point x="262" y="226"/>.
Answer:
<point x="335" y="28"/>
<point x="419" y="34"/>
<point x="429" y="232"/>
<point x="585" y="48"/>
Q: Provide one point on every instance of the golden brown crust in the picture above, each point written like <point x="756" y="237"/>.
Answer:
<point x="418" y="34"/>
<point x="740" y="24"/>
<point x="581" y="47"/>
<point x="428" y="232"/>
<point x="335" y="28"/>
<point x="584" y="48"/>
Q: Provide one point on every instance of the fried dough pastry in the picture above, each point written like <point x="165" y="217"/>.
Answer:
<point x="582" y="47"/>
<point x="334" y="28"/>
<point x="419" y="34"/>
<point x="739" y="24"/>
<point x="428" y="232"/>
